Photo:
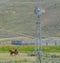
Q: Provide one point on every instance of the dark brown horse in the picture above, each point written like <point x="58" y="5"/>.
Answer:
<point x="13" y="52"/>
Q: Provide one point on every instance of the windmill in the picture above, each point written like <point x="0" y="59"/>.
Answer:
<point x="38" y="11"/>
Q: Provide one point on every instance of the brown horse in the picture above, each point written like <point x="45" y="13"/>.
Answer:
<point x="13" y="52"/>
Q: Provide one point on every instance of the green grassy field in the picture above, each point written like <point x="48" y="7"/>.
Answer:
<point x="29" y="48"/>
<point x="20" y="48"/>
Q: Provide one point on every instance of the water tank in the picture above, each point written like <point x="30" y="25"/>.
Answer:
<point x="16" y="42"/>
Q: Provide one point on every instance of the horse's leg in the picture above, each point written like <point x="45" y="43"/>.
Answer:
<point x="10" y="53"/>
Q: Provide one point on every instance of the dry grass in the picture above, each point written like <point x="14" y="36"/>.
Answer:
<point x="20" y="56"/>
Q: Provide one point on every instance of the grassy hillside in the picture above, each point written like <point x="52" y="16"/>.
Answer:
<point x="18" y="18"/>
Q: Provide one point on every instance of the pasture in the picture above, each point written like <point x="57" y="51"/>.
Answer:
<point x="24" y="58"/>
<point x="29" y="48"/>
<point x="20" y="56"/>
<point x="50" y="54"/>
<point x="17" y="19"/>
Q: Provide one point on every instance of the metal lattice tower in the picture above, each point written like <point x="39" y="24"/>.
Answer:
<point x="38" y="11"/>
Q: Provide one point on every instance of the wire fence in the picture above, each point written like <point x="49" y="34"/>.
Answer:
<point x="44" y="42"/>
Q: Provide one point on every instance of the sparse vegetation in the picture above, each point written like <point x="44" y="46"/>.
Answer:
<point x="18" y="18"/>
